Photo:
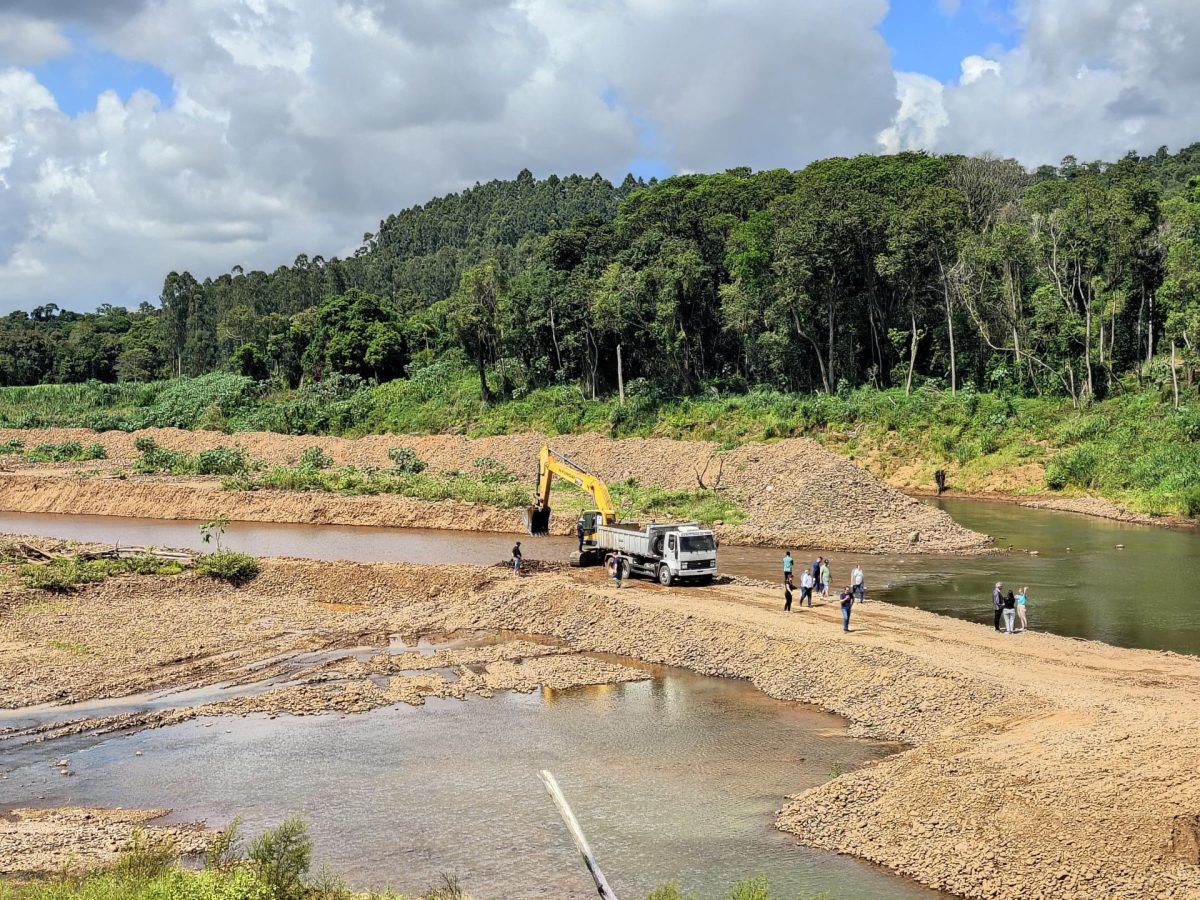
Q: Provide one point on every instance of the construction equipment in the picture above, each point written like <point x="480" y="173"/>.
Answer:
<point x="553" y="465"/>
<point x="670" y="552"/>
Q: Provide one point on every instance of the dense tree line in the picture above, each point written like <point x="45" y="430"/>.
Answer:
<point x="883" y="270"/>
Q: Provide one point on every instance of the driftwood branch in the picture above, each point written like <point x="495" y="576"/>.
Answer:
<point x="701" y="473"/>
<point x="603" y="890"/>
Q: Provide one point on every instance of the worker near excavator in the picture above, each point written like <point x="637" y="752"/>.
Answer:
<point x="579" y="532"/>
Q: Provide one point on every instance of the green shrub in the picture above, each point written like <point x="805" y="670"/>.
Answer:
<point x="221" y="461"/>
<point x="405" y="461"/>
<point x="314" y="458"/>
<point x="68" y="451"/>
<point x="145" y="858"/>
<point x="751" y="889"/>
<point x="156" y="459"/>
<point x="670" y="891"/>
<point x="282" y="857"/>
<point x="10" y="447"/>
<point x="491" y="471"/>
<point x="228" y="565"/>
<point x="64" y="574"/>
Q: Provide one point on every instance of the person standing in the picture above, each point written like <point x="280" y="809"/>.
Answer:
<point x="856" y="584"/>
<point x="517" y="558"/>
<point x="1022" y="598"/>
<point x="806" y="587"/>
<point x="825" y="578"/>
<point x="816" y="571"/>
<point x="616" y="566"/>
<point x="1010" y="612"/>
<point x="787" y="593"/>
<point x="787" y="566"/>
<point x="579" y="532"/>
<point x="847" y="598"/>
<point x="997" y="602"/>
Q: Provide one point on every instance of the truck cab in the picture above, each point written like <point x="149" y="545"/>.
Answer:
<point x="688" y="553"/>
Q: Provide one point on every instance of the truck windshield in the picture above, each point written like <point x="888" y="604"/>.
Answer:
<point x="697" y="544"/>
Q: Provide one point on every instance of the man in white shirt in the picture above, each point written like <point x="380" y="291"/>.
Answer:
<point x="856" y="584"/>
<point x="806" y="587"/>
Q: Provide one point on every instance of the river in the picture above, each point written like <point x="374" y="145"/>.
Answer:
<point x="1081" y="583"/>
<point x="673" y="778"/>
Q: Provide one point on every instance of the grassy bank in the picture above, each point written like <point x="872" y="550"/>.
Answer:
<point x="1134" y="447"/>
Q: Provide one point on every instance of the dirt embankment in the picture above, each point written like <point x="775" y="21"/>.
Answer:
<point x="1039" y="766"/>
<point x="793" y="492"/>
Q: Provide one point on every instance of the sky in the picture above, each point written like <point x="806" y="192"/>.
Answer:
<point x="143" y="136"/>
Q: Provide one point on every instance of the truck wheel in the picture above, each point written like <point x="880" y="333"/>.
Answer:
<point x="664" y="575"/>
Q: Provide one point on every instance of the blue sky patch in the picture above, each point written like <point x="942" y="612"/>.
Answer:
<point x="933" y="36"/>
<point x="78" y="78"/>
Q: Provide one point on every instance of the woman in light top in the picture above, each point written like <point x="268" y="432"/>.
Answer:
<point x="1021" y="598"/>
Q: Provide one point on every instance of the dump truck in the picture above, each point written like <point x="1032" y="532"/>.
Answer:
<point x="668" y="552"/>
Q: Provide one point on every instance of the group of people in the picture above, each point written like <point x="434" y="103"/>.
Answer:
<point x="816" y="578"/>
<point x="1010" y="607"/>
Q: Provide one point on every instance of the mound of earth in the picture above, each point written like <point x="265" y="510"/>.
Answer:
<point x="793" y="492"/>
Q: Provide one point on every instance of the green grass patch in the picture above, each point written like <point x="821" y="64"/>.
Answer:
<point x="67" y="451"/>
<point x="64" y="575"/>
<point x="71" y="647"/>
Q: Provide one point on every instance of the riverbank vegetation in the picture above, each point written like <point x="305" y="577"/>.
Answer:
<point x="275" y="865"/>
<point x="1030" y="313"/>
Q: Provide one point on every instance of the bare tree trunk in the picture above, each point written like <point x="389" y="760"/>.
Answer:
<point x="950" y="331"/>
<point x="832" y="357"/>
<point x="1150" y="333"/>
<point x="1174" y="375"/>
<point x="912" y="355"/>
<point x="554" y="337"/>
<point x="620" y="376"/>
<point x="1087" y="345"/>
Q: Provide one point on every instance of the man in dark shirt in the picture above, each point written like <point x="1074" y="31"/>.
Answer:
<point x="997" y="602"/>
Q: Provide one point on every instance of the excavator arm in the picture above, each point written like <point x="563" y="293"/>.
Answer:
<point x="553" y="465"/>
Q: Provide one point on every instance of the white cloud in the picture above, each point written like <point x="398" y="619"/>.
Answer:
<point x="297" y="124"/>
<point x="27" y="42"/>
<point x="1093" y="79"/>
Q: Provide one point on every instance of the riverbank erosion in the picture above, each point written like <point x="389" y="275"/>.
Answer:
<point x="1036" y="766"/>
<point x="792" y="492"/>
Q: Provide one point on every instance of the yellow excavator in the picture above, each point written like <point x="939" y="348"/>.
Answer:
<point x="553" y="465"/>
<point x="668" y="552"/>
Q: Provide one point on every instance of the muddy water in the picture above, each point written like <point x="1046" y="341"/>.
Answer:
<point x="1081" y="584"/>
<point x="676" y="778"/>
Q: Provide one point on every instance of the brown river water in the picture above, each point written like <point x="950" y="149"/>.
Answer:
<point x="1081" y="584"/>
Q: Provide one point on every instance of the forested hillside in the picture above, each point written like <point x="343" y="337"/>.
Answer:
<point x="886" y="271"/>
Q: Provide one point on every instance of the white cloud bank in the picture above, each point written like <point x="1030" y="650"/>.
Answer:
<point x="1094" y="79"/>
<point x="297" y="124"/>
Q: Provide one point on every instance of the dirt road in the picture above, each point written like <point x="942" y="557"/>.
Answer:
<point x="792" y="492"/>
<point x="1039" y="766"/>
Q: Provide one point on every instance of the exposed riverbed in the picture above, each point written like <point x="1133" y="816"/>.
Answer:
<point x="1081" y="584"/>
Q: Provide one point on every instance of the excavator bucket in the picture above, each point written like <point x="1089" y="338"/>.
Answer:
<point x="537" y="519"/>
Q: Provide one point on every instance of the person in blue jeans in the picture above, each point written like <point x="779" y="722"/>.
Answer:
<point x="847" y="598"/>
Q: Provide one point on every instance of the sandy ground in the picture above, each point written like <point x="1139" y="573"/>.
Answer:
<point x="37" y="841"/>
<point x="793" y="492"/>
<point x="1038" y="766"/>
